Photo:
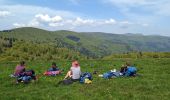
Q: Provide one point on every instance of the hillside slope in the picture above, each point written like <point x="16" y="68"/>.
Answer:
<point x="92" y="44"/>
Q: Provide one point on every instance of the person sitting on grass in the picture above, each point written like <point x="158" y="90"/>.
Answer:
<point x="23" y="75"/>
<point x="19" y="68"/>
<point x="74" y="72"/>
<point x="54" y="67"/>
<point x="53" y="71"/>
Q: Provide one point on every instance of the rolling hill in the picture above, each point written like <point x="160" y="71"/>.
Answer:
<point x="91" y="44"/>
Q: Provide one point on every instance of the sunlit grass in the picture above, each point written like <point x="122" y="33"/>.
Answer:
<point x="153" y="83"/>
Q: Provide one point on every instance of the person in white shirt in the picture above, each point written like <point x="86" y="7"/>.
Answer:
<point x="74" y="72"/>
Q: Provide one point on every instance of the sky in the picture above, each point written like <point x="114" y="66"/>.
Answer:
<point x="148" y="17"/>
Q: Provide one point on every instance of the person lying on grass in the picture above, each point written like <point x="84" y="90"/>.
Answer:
<point x="128" y="70"/>
<point x="53" y="71"/>
<point x="74" y="72"/>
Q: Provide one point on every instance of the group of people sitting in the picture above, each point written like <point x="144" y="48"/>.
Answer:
<point x="73" y="75"/>
<point x="23" y="75"/>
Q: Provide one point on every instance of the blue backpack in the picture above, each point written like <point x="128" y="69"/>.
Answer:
<point x="131" y="71"/>
<point x="84" y="76"/>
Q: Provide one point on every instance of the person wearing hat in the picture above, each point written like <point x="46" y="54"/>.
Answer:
<point x="74" y="72"/>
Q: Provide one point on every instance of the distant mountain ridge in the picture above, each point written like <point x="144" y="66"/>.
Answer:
<point x="92" y="44"/>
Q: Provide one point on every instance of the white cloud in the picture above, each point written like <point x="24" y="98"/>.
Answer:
<point x="126" y="22"/>
<point x="24" y="10"/>
<point x="110" y="21"/>
<point x="33" y="23"/>
<point x="27" y="15"/>
<point x="157" y="7"/>
<point x="17" y="25"/>
<point x="56" y="19"/>
<point x="149" y="14"/>
<point x="90" y="22"/>
<point x="24" y="16"/>
<point x="79" y="21"/>
<point x="43" y="18"/>
<point x="55" y="24"/>
<point x="4" y="13"/>
<point x="47" y="18"/>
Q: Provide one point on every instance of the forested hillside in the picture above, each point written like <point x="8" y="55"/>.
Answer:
<point x="33" y="43"/>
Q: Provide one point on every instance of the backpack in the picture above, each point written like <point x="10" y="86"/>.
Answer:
<point x="85" y="76"/>
<point x="131" y="71"/>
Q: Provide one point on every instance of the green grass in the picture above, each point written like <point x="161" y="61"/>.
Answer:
<point x="153" y="84"/>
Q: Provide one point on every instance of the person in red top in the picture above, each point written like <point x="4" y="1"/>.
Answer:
<point x="20" y="68"/>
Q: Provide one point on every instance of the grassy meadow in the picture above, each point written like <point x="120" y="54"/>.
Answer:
<point x="153" y="84"/>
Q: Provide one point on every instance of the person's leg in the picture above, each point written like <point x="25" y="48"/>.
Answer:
<point x="68" y="74"/>
<point x="75" y="80"/>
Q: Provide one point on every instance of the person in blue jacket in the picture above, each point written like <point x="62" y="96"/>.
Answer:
<point x="128" y="70"/>
<point x="54" y="67"/>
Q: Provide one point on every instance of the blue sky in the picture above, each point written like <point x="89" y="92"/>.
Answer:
<point x="149" y="17"/>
